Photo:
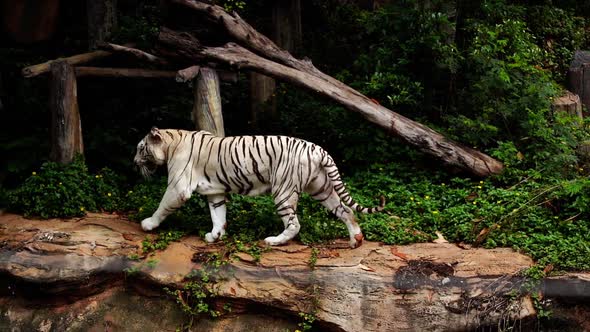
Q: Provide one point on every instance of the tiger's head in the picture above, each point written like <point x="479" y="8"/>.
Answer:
<point x="150" y="153"/>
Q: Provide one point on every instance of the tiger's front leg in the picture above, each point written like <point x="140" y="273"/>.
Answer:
<point x="218" y="211"/>
<point x="173" y="199"/>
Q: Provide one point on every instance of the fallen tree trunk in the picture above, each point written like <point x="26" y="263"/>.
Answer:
<point x="186" y="46"/>
<point x="73" y="266"/>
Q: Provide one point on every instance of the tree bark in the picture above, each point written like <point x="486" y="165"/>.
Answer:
<point x="124" y="72"/>
<point x="142" y="55"/>
<point x="66" y="127"/>
<point x="32" y="71"/>
<point x="187" y="74"/>
<point x="414" y="133"/>
<point x="375" y="288"/>
<point x="102" y="21"/>
<point x="286" y="21"/>
<point x="263" y="105"/>
<point x="569" y="103"/>
<point x="286" y="33"/>
<point x="207" y="108"/>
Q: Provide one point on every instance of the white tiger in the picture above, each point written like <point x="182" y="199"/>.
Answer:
<point x="248" y="165"/>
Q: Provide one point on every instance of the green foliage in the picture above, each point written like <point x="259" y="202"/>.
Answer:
<point x="161" y="241"/>
<point x="559" y="32"/>
<point x="534" y="214"/>
<point x="200" y="287"/>
<point x="141" y="29"/>
<point x="58" y="190"/>
<point x="307" y="320"/>
<point x="313" y="258"/>
<point x="231" y="5"/>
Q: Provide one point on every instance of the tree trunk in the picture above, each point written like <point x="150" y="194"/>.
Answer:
<point x="286" y="21"/>
<point x="102" y="21"/>
<point x="579" y="76"/>
<point x="286" y="33"/>
<point x="187" y="74"/>
<point x="66" y="128"/>
<point x="569" y="103"/>
<point x="424" y="138"/>
<point x="207" y="108"/>
<point x="263" y="105"/>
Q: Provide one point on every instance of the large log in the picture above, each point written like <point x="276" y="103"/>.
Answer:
<point x="66" y="127"/>
<point x="207" y="108"/>
<point x="72" y="266"/>
<point x="425" y="139"/>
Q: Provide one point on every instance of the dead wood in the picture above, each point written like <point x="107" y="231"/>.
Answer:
<point x="66" y="127"/>
<point x="187" y="74"/>
<point x="123" y="72"/>
<point x="207" y="106"/>
<point x="185" y="46"/>
<point x="136" y="53"/>
<point x="32" y="71"/>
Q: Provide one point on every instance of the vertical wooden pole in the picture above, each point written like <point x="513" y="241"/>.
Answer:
<point x="286" y="33"/>
<point x="66" y="127"/>
<point x="207" y="107"/>
<point x="102" y="21"/>
<point x="286" y="21"/>
<point x="262" y="102"/>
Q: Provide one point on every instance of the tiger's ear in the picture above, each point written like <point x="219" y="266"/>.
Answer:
<point x="155" y="135"/>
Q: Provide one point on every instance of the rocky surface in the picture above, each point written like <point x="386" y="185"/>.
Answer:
<point x="70" y="275"/>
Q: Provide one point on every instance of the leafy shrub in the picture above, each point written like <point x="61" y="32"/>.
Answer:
<point x="559" y="32"/>
<point x="66" y="190"/>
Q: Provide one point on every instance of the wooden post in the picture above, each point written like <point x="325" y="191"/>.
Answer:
<point x="286" y="33"/>
<point x="66" y="127"/>
<point x="263" y="105"/>
<point x="207" y="108"/>
<point x="286" y="21"/>
<point x="569" y="103"/>
<point x="578" y="79"/>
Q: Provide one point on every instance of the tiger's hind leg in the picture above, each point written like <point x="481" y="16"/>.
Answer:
<point x="218" y="213"/>
<point x="322" y="190"/>
<point x="287" y="210"/>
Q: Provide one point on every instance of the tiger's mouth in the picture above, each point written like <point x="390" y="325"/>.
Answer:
<point x="147" y="168"/>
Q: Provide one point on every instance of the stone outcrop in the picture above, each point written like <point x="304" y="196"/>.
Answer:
<point x="90" y="274"/>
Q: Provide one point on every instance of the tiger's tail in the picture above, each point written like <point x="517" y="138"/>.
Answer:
<point x="334" y="175"/>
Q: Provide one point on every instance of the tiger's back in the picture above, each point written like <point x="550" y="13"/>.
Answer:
<point x="246" y="165"/>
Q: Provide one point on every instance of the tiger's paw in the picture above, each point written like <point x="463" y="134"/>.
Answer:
<point x="357" y="241"/>
<point x="148" y="224"/>
<point x="209" y="238"/>
<point x="274" y="241"/>
<point x="214" y="235"/>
